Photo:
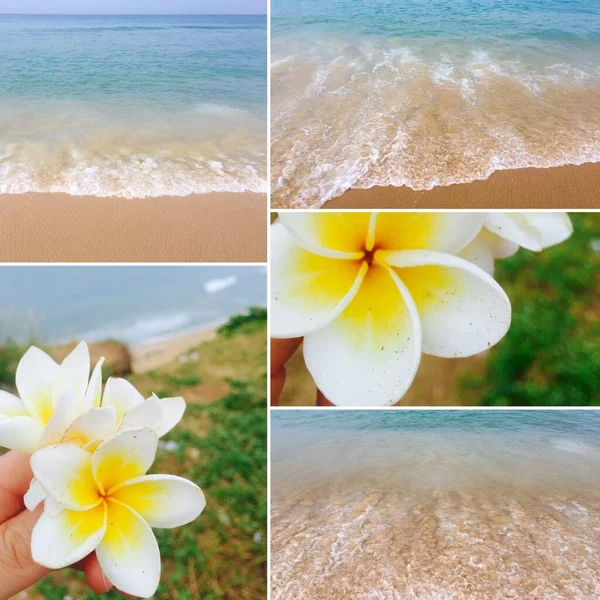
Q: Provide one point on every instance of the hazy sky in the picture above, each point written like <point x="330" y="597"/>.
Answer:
<point x="133" y="6"/>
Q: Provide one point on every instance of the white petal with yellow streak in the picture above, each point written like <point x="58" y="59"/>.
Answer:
<point x="463" y="310"/>
<point x="63" y="539"/>
<point x="35" y="377"/>
<point x="370" y="354"/>
<point x="66" y="410"/>
<point x="65" y="473"/>
<point x="444" y="232"/>
<point x="308" y="291"/>
<point x="92" y="425"/>
<point x="123" y="456"/>
<point x="12" y="406"/>
<point x="163" y="501"/>
<point x="122" y="395"/>
<point x="332" y="234"/>
<point x="21" y="433"/>
<point x="128" y="553"/>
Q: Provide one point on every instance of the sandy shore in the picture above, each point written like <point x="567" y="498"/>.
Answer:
<point x="218" y="227"/>
<point x="567" y="187"/>
<point x="147" y="356"/>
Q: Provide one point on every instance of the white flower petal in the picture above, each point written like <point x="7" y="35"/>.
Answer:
<point x="128" y="553"/>
<point x="35" y="377"/>
<point x="162" y="500"/>
<point x="65" y="473"/>
<point x="11" y="406"/>
<point x="172" y="410"/>
<point x="445" y="232"/>
<point x="123" y="456"/>
<point x="463" y="310"/>
<point x="146" y="414"/>
<point x="65" y="412"/>
<point x="63" y="539"/>
<point x="370" y="354"/>
<point x="92" y="425"/>
<point x="516" y="228"/>
<point x="487" y="247"/>
<point x="333" y="234"/>
<point x="93" y="394"/>
<point x="307" y="290"/>
<point x="34" y="495"/>
<point x="554" y="227"/>
<point x="21" y="433"/>
<point x="73" y="374"/>
<point x="122" y="395"/>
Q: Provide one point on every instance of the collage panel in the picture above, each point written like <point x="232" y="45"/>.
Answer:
<point x="133" y="131"/>
<point x="438" y="104"/>
<point x="435" y="309"/>
<point x="428" y="504"/>
<point x="172" y="426"/>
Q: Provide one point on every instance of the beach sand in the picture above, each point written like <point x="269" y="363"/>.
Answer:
<point x="151" y="355"/>
<point x="568" y="187"/>
<point x="216" y="227"/>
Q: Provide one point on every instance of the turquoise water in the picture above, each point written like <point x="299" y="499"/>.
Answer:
<point x="132" y="105"/>
<point x="131" y="304"/>
<point x="425" y="94"/>
<point x="435" y="505"/>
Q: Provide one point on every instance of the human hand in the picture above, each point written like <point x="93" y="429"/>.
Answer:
<point x="18" y="571"/>
<point x="281" y="351"/>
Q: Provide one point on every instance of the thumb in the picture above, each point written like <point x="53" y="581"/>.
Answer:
<point x="17" y="569"/>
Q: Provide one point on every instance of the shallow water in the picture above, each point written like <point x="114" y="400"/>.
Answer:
<point x="132" y="106"/>
<point x="436" y="505"/>
<point x="428" y="93"/>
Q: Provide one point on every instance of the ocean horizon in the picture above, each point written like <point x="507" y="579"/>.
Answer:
<point x="130" y="304"/>
<point x="426" y="94"/>
<point x="133" y="106"/>
<point x="435" y="505"/>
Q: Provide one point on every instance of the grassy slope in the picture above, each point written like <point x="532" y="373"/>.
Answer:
<point x="222" y="446"/>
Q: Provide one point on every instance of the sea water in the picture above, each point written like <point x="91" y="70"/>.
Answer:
<point x="425" y="93"/>
<point x="430" y="505"/>
<point x="132" y="304"/>
<point x="132" y="106"/>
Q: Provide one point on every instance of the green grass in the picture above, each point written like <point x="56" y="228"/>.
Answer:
<point x="253" y="321"/>
<point x="551" y="354"/>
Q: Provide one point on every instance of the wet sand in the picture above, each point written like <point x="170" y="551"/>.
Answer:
<point x="369" y="513"/>
<point x="216" y="227"/>
<point x="568" y="187"/>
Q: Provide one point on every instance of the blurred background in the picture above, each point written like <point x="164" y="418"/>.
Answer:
<point x="194" y="331"/>
<point x="551" y="354"/>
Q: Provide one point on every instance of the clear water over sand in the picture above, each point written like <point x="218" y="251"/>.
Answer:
<point x="436" y="505"/>
<point x="132" y="106"/>
<point x="424" y="94"/>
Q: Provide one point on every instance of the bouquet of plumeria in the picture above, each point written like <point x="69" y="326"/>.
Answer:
<point x="371" y="292"/>
<point x="90" y="452"/>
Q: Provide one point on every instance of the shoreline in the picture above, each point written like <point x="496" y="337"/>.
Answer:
<point x="154" y="353"/>
<point x="564" y="187"/>
<point x="57" y="227"/>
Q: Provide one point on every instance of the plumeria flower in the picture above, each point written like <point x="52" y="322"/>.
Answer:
<point x="121" y="407"/>
<point x="371" y="292"/>
<point x="104" y="502"/>
<point x="504" y="233"/>
<point x="51" y="397"/>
